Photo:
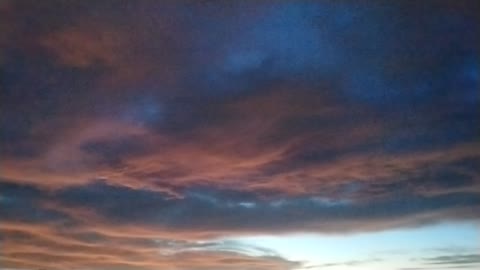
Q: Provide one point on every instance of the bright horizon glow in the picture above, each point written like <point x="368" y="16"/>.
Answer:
<point x="390" y="249"/>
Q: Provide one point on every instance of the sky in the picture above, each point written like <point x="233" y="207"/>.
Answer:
<point x="239" y="135"/>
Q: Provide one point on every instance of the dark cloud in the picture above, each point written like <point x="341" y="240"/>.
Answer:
<point x="140" y="93"/>
<point x="113" y="151"/>
<point x="202" y="119"/>
<point x="213" y="210"/>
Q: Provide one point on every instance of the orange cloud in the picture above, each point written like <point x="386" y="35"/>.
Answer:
<point x="27" y="245"/>
<point x="232" y="157"/>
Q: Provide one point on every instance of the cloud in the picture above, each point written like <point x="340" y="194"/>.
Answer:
<point x="184" y="122"/>
<point x="96" y="47"/>
<point x="214" y="214"/>
<point x="345" y="263"/>
<point x="130" y="225"/>
<point x="43" y="246"/>
<point x="455" y="259"/>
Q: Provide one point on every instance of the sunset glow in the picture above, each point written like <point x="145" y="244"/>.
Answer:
<point x="239" y="135"/>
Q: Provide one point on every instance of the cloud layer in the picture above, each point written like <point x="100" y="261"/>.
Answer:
<point x="135" y="135"/>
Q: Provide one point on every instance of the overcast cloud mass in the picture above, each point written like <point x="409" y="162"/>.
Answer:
<point x="149" y="134"/>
